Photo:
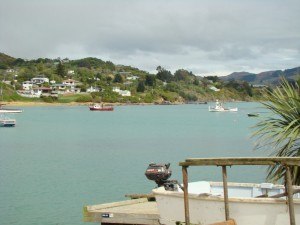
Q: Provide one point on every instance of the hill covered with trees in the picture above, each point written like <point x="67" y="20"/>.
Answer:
<point x="103" y="81"/>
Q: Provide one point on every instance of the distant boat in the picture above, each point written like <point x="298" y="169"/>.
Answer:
<point x="253" y="114"/>
<point x="5" y="110"/>
<point x="97" y="107"/>
<point x="7" y="122"/>
<point x="219" y="107"/>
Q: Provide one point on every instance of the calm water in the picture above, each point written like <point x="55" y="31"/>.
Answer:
<point x="58" y="159"/>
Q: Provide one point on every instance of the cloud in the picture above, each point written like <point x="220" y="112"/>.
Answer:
<point x="203" y="36"/>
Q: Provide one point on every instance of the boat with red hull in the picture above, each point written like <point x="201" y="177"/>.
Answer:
<point x="97" y="107"/>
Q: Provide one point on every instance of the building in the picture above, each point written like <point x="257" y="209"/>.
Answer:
<point x="40" y="80"/>
<point x="27" y="85"/>
<point x="124" y="93"/>
<point x="92" y="89"/>
<point x="132" y="78"/>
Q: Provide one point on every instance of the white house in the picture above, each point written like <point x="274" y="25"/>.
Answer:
<point x="125" y="93"/>
<point x="10" y="71"/>
<point x="132" y="78"/>
<point x="27" y="85"/>
<point x="71" y="72"/>
<point x="121" y="92"/>
<point x="92" y="89"/>
<point x="69" y="82"/>
<point x="116" y="89"/>
<point x="40" y="80"/>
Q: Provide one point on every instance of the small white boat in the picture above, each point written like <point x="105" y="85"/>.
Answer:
<point x="97" y="107"/>
<point x="247" y="207"/>
<point x="7" y="122"/>
<point x="219" y="107"/>
<point x="5" y="110"/>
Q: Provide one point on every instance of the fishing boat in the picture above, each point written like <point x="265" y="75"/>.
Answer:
<point x="98" y="107"/>
<point x="7" y="122"/>
<point x="204" y="202"/>
<point x="219" y="107"/>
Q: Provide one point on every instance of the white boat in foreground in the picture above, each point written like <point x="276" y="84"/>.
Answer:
<point x="206" y="203"/>
<point x="219" y="107"/>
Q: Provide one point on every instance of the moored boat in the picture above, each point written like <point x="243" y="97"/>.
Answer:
<point x="5" y="110"/>
<point x="206" y="204"/>
<point x="97" y="107"/>
<point x="7" y="122"/>
<point x="219" y="107"/>
<point x="253" y="114"/>
<point x="247" y="203"/>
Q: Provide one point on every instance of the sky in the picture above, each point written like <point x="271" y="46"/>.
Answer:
<point x="207" y="37"/>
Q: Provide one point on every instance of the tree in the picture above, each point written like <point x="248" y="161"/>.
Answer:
<point x="164" y="75"/>
<point x="182" y="75"/>
<point x="150" y="80"/>
<point x="60" y="70"/>
<point x="141" y="86"/>
<point x="118" y="78"/>
<point x="281" y="130"/>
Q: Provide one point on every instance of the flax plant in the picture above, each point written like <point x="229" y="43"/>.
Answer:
<point x="281" y="129"/>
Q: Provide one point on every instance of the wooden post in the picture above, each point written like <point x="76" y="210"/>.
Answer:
<point x="186" y="195"/>
<point x="289" y="190"/>
<point x="225" y="188"/>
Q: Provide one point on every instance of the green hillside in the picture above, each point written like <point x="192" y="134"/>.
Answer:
<point x="105" y="76"/>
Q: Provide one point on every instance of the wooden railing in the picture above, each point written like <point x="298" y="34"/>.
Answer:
<point x="286" y="162"/>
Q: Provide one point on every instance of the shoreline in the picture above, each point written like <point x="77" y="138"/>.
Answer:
<point x="24" y="104"/>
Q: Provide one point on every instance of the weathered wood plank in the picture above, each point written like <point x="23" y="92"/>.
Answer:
<point x="289" y="161"/>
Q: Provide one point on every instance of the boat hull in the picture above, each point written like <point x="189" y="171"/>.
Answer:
<point x="207" y="209"/>
<point x="223" y="110"/>
<point x="102" y="109"/>
<point x="7" y="123"/>
<point x="10" y="110"/>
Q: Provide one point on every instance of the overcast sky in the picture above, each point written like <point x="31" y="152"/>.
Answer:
<point x="203" y="36"/>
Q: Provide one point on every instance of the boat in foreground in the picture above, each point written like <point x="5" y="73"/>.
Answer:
<point x="219" y="107"/>
<point x="247" y="202"/>
<point x="97" y="107"/>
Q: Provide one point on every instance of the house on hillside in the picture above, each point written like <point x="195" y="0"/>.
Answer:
<point x="132" y="78"/>
<point x="92" y="89"/>
<point x="122" y="92"/>
<point x="27" y="85"/>
<point x="10" y="71"/>
<point x="40" y="80"/>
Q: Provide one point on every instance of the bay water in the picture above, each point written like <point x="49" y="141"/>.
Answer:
<point x="58" y="159"/>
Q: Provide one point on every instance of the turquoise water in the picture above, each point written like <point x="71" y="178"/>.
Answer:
<point x="58" y="159"/>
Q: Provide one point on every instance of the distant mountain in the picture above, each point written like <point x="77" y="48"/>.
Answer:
<point x="267" y="77"/>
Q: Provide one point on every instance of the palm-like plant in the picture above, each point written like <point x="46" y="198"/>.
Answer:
<point x="281" y="130"/>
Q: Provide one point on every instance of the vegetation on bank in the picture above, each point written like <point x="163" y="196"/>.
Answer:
<point x="182" y="86"/>
<point x="280" y="130"/>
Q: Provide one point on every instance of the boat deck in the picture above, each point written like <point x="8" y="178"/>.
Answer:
<point x="137" y="211"/>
